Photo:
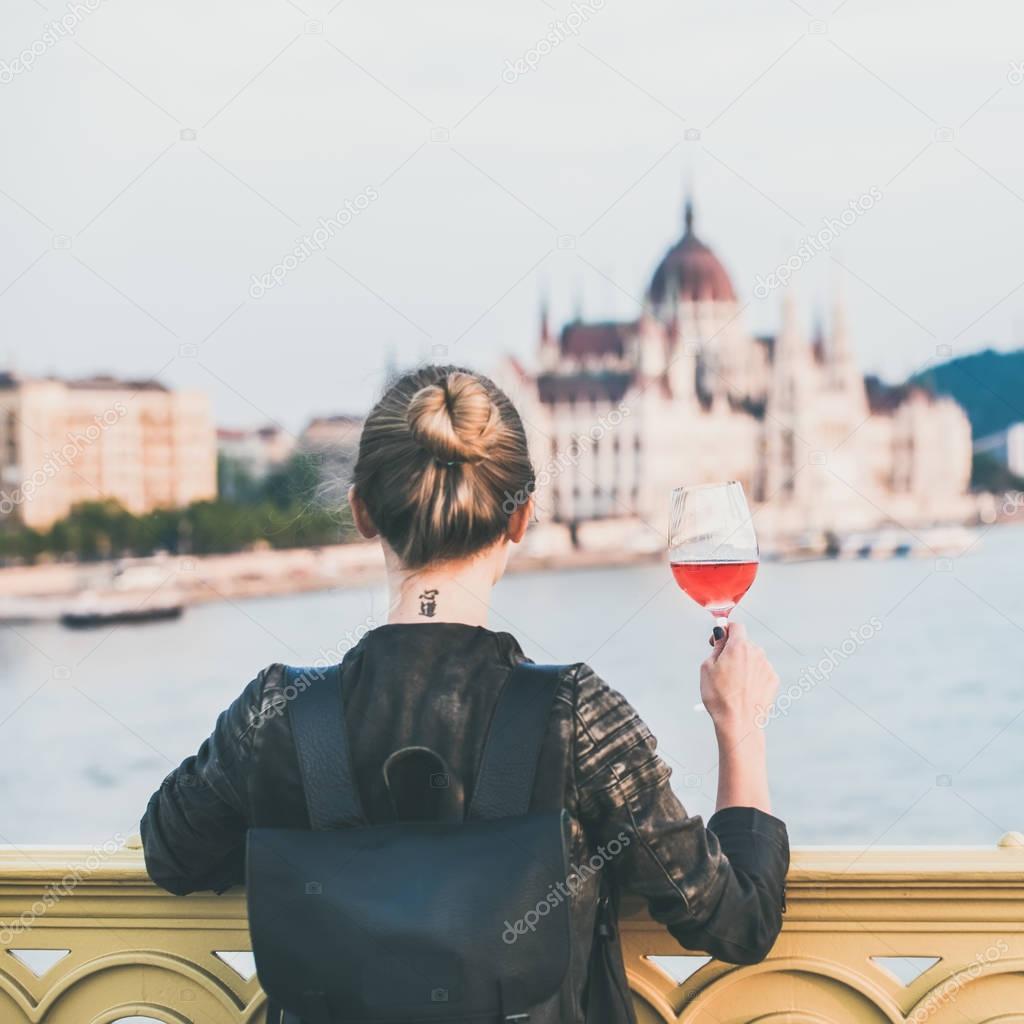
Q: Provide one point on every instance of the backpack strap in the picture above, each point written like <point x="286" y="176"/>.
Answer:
<point x="509" y="761"/>
<point x="317" y="717"/>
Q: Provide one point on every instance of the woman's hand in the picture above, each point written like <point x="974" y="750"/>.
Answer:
<point x="737" y="683"/>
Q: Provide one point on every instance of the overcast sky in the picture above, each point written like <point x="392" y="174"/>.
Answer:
<point x="162" y="153"/>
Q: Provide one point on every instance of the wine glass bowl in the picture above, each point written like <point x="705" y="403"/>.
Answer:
<point x="712" y="545"/>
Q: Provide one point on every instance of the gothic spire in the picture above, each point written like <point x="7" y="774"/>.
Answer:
<point x="839" y="347"/>
<point x="789" y="342"/>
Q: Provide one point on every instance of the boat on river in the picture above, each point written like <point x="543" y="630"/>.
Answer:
<point x="103" y="612"/>
<point x="134" y="594"/>
<point x="881" y="543"/>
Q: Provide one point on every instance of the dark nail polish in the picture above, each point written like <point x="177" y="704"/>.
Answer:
<point x="718" y="633"/>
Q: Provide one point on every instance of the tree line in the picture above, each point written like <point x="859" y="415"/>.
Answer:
<point x="291" y="507"/>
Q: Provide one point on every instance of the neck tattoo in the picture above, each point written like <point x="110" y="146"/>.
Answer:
<point x="428" y="603"/>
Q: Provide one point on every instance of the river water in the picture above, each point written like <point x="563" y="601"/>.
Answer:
<point x="912" y="731"/>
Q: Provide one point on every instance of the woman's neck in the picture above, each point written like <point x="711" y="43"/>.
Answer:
<point x="457" y="592"/>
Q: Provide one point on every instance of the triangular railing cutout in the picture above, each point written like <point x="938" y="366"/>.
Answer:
<point x="39" y="961"/>
<point x="905" y="969"/>
<point x="680" y="968"/>
<point x="241" y="961"/>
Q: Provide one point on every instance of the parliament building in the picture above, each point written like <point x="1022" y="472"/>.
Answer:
<point x="619" y="413"/>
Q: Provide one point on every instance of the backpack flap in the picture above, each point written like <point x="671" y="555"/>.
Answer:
<point x="417" y="920"/>
<point x="422" y="921"/>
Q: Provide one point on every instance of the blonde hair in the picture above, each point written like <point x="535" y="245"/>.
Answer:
<point x="442" y="459"/>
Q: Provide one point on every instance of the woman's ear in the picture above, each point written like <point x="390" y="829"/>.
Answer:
<point x="519" y="520"/>
<point x="364" y="524"/>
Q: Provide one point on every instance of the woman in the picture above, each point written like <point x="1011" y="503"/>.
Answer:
<point x="444" y="479"/>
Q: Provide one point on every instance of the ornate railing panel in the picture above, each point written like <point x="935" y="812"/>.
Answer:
<point x="915" y="934"/>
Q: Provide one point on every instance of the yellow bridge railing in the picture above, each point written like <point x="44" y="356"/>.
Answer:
<point x="888" y="935"/>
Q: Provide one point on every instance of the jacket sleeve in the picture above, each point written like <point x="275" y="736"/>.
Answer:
<point x="193" y="831"/>
<point x="719" y="888"/>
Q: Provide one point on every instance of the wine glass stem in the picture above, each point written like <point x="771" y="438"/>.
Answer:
<point x="723" y="621"/>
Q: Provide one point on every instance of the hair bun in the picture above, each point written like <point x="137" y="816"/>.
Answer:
<point x="455" y="419"/>
<point x="425" y="513"/>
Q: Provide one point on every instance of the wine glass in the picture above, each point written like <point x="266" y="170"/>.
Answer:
<point x="712" y="546"/>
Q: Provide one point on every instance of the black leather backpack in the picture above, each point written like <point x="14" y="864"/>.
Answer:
<point x="416" y="921"/>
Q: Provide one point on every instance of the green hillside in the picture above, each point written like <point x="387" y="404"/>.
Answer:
<point x="989" y="385"/>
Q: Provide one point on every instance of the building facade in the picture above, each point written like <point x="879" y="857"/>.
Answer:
<point x="1006" y="447"/>
<point x="334" y="442"/>
<point x="67" y="442"/>
<point x="619" y="413"/>
<point x="248" y="456"/>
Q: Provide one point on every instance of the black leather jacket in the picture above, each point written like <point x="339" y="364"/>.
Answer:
<point x="717" y="888"/>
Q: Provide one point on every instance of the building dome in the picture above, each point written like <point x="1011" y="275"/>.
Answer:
<point x="689" y="272"/>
